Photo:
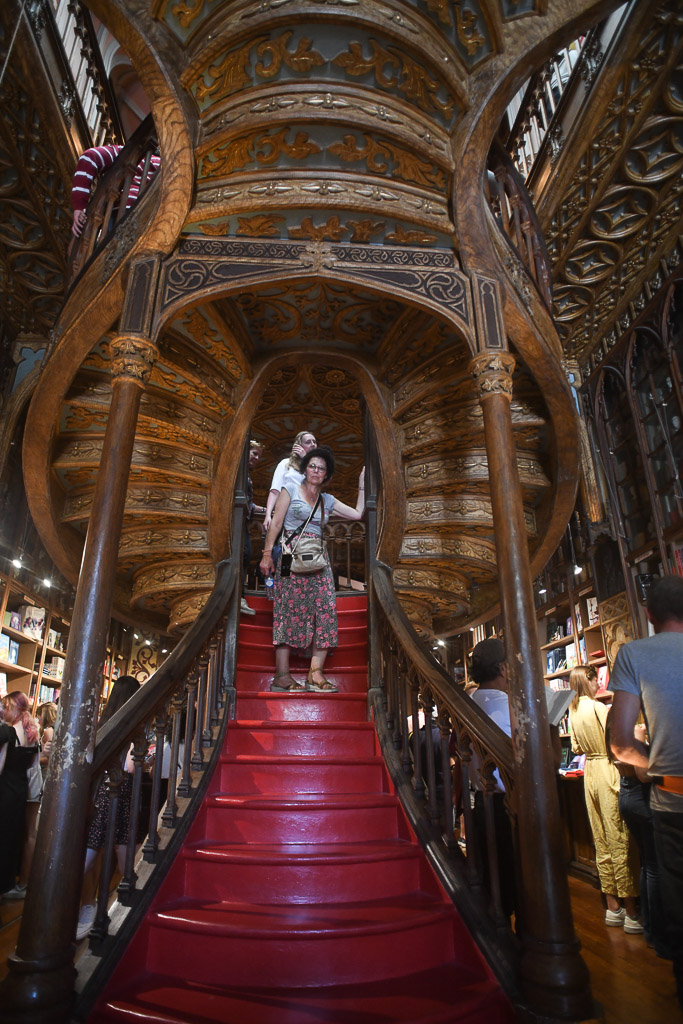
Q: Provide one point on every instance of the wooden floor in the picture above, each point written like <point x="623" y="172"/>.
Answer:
<point x="632" y="984"/>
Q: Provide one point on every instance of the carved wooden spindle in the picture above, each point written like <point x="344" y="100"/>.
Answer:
<point x="171" y="809"/>
<point x="151" y="844"/>
<point x="128" y="881"/>
<point x="113" y="783"/>
<point x="429" y="751"/>
<point x="190" y="697"/>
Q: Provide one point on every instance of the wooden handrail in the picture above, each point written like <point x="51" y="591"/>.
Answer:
<point x="517" y="220"/>
<point x="161" y="684"/>
<point x="108" y="206"/>
<point x="407" y="681"/>
<point x="485" y="733"/>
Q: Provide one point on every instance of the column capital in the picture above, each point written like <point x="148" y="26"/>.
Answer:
<point x="132" y="358"/>
<point x="492" y="373"/>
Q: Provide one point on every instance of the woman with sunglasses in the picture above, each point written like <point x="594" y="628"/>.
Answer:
<point x="305" y="606"/>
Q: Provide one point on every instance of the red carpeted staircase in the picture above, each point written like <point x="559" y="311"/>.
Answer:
<point x="301" y="894"/>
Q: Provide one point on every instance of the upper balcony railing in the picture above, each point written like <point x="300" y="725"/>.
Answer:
<point x="543" y="111"/>
<point x="115" y="194"/>
<point x="67" y="41"/>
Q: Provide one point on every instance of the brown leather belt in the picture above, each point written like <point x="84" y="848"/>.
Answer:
<point x="671" y="784"/>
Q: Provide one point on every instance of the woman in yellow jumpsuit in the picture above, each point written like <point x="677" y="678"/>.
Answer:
<point x="614" y="851"/>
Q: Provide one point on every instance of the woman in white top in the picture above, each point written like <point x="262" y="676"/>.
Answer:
<point x="303" y="442"/>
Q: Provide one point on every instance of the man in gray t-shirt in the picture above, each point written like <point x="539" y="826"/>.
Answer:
<point x="648" y="675"/>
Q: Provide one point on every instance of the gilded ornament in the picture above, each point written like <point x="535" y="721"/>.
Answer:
<point x="132" y="358"/>
<point x="492" y="374"/>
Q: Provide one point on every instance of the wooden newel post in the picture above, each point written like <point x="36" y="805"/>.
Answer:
<point x="40" y="983"/>
<point x="554" y="978"/>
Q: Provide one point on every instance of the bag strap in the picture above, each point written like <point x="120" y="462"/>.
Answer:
<point x="300" y="529"/>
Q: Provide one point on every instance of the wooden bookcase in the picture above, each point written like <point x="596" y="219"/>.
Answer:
<point x="37" y="670"/>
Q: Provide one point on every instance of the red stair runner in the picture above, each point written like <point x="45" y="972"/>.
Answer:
<point x="301" y="894"/>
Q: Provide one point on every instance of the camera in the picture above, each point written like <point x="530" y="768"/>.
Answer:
<point x="285" y="565"/>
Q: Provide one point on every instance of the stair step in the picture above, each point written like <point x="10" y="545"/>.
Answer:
<point x="349" y="679"/>
<point x="300" y="944"/>
<point x="260" y="633"/>
<point x="353" y="655"/>
<point x="302" y="707"/>
<point x="300" y="895"/>
<point x="301" y="872"/>
<point x="306" y="818"/>
<point x="447" y="994"/>
<point x="356" y="739"/>
<point x="244" y="774"/>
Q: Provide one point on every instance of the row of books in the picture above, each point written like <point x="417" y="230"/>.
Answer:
<point x="566" y="657"/>
<point x="557" y="630"/>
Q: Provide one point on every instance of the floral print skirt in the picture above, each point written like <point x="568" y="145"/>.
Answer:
<point x="305" y="610"/>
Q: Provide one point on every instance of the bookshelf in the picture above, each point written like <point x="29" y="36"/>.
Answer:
<point x="35" y="664"/>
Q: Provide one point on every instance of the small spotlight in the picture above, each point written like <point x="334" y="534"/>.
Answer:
<point x="441" y="643"/>
<point x="578" y="569"/>
<point x="16" y="562"/>
<point x="136" y="636"/>
<point x="164" y="650"/>
<point x="47" y="582"/>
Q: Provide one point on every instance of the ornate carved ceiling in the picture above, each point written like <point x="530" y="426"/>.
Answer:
<point x="321" y="222"/>
<point x="617" y="220"/>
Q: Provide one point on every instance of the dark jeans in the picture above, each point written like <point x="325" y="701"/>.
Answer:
<point x="634" y="807"/>
<point x="668" y="830"/>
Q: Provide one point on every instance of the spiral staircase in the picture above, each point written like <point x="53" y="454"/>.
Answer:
<point x="319" y="246"/>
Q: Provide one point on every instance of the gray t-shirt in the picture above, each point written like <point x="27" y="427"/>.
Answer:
<point x="652" y="669"/>
<point x="299" y="509"/>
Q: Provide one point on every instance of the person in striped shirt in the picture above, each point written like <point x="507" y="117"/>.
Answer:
<point x="91" y="164"/>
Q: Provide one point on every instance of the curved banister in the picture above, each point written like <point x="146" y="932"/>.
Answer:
<point x="111" y="200"/>
<point x="143" y="704"/>
<point x="484" y="732"/>
<point x="517" y="220"/>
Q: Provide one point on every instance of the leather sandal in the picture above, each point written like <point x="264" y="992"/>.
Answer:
<point x="283" y="682"/>
<point x="323" y="687"/>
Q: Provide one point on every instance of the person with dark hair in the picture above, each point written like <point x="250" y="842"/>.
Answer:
<point x="488" y="670"/>
<point x="255" y="453"/>
<point x="305" y="607"/>
<point x="613" y="848"/>
<point x="122" y="690"/>
<point x="648" y="676"/>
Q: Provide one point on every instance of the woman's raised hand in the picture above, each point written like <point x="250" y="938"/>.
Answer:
<point x="361" y="480"/>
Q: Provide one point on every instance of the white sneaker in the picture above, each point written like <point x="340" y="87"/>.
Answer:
<point x="615" y="918"/>
<point x="17" y="893"/>
<point x="245" y="609"/>
<point x="86" y="920"/>
<point x="632" y="926"/>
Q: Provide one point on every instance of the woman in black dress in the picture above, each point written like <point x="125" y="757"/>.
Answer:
<point x="18" y="749"/>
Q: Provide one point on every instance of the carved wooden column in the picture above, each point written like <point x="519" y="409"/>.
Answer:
<point x="554" y="977"/>
<point x="40" y="983"/>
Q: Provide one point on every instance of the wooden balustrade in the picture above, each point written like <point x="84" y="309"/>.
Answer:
<point x="432" y="767"/>
<point x="516" y="217"/>
<point x="135" y="168"/>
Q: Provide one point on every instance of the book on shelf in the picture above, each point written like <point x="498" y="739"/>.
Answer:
<point x="577" y="613"/>
<point x="603" y="677"/>
<point x="3" y="684"/>
<point x="583" y="658"/>
<point x="568" y="626"/>
<point x="4" y="647"/>
<point x="570" y="652"/>
<point x="592" y="611"/>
